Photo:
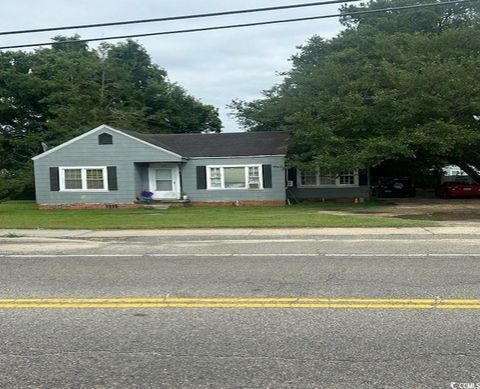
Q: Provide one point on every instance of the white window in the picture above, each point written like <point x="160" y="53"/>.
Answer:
<point x="79" y="179"/>
<point x="72" y="178"/>
<point x="347" y="178"/>
<point x="254" y="177"/>
<point x="215" y="180"/>
<point x="320" y="178"/>
<point x="234" y="177"/>
<point x="95" y="179"/>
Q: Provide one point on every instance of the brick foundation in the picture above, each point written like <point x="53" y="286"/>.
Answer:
<point x="88" y="206"/>
<point x="240" y="203"/>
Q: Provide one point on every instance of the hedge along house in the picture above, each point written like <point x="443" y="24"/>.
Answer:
<point x="108" y="167"/>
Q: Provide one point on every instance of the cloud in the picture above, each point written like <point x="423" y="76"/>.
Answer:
<point x="215" y="66"/>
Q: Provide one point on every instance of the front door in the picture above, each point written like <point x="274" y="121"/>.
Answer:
<point x="164" y="182"/>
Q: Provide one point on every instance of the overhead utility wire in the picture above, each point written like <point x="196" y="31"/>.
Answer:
<point x="170" y="18"/>
<point x="237" y="25"/>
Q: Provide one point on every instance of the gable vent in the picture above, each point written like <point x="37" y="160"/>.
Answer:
<point x="105" y="139"/>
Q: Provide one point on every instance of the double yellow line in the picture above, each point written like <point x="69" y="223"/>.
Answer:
<point x="239" y="303"/>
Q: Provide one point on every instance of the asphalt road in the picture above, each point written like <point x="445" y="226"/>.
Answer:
<point x="243" y="346"/>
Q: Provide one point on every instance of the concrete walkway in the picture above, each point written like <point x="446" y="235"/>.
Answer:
<point x="240" y="232"/>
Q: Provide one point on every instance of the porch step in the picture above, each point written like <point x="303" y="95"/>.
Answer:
<point x="162" y="204"/>
<point x="156" y="206"/>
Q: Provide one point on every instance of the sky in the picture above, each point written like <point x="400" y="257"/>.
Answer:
<point x="214" y="66"/>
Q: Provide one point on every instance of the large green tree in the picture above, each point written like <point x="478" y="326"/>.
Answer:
<point x="53" y="94"/>
<point x="399" y="86"/>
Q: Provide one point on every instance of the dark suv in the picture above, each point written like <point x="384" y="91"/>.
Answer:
<point x="393" y="187"/>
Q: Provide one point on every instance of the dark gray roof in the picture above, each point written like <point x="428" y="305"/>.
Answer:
<point x="228" y="144"/>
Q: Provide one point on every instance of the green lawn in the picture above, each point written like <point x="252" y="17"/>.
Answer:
<point x="24" y="214"/>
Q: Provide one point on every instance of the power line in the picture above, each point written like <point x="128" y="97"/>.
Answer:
<point x="170" y="18"/>
<point x="223" y="27"/>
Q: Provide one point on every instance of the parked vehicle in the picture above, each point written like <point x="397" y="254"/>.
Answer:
<point x="457" y="189"/>
<point x="394" y="187"/>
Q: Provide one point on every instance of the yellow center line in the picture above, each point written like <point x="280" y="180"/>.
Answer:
<point x="242" y="303"/>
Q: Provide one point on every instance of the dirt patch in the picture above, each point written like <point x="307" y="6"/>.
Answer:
<point x="422" y="208"/>
<point x="437" y="209"/>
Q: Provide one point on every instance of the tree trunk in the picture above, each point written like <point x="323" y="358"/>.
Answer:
<point x="472" y="173"/>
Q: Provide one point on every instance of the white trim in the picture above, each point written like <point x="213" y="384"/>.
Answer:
<point x="222" y="176"/>
<point x="69" y="142"/>
<point x="146" y="143"/>
<point x="336" y="185"/>
<point x="83" y="170"/>
<point x="103" y="127"/>
<point x="355" y="180"/>
<point x="240" y="156"/>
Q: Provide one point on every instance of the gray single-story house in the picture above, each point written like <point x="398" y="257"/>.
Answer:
<point x="109" y="167"/>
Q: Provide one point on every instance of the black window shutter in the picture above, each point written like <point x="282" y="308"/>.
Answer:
<point x="292" y="176"/>
<point x="201" y="177"/>
<point x="363" y="177"/>
<point x="267" y="176"/>
<point x="54" y="179"/>
<point x="112" y="178"/>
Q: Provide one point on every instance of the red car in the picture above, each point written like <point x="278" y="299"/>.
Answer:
<point x="458" y="189"/>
